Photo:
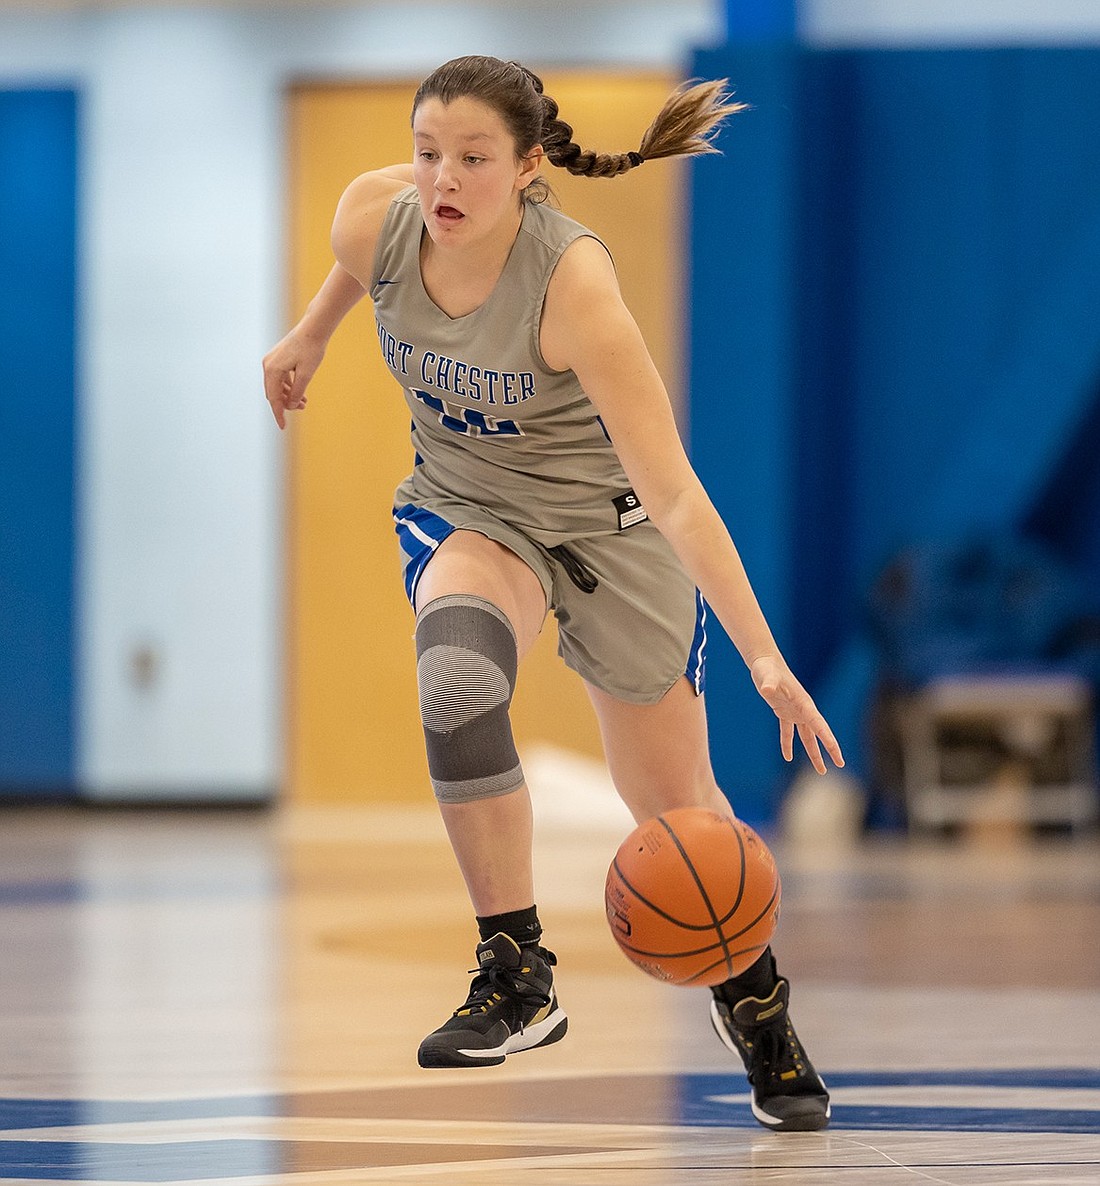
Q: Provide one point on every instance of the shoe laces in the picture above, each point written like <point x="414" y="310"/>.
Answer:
<point x="491" y="985"/>
<point x="774" y="1053"/>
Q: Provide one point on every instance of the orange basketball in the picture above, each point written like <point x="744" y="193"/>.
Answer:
<point x="692" y="896"/>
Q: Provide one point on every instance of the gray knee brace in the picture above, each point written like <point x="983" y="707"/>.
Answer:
<point x="466" y="664"/>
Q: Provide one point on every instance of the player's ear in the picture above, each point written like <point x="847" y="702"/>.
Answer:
<point x="529" y="167"/>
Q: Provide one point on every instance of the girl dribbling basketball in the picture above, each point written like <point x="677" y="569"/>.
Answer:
<point x="548" y="475"/>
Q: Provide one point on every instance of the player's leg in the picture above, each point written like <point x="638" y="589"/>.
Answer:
<point x="479" y="610"/>
<point x="659" y="760"/>
<point x="498" y="876"/>
<point x="658" y="754"/>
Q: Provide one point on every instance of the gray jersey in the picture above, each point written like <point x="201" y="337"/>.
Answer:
<point x="492" y="424"/>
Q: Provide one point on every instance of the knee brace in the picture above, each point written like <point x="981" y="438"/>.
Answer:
<point x="466" y="662"/>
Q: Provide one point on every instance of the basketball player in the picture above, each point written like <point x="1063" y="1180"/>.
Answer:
<point x="548" y="475"/>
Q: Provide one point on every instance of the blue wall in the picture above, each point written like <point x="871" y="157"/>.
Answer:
<point x="896" y="285"/>
<point x="37" y="299"/>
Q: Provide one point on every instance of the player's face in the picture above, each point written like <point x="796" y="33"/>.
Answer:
<point x="466" y="170"/>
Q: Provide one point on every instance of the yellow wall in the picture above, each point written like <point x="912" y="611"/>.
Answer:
<point x="353" y="727"/>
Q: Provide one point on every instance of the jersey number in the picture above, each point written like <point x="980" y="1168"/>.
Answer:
<point x="467" y="420"/>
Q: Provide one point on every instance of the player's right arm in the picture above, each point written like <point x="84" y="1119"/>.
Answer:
<point x="291" y="363"/>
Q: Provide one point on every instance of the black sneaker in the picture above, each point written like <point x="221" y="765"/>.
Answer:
<point x="511" y="1007"/>
<point x="787" y="1093"/>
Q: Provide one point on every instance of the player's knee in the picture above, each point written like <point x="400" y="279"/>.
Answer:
<point x="466" y="662"/>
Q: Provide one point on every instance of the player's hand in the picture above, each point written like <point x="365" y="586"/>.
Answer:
<point x="791" y="703"/>
<point x="288" y="368"/>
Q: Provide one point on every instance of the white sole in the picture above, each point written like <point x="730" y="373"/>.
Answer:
<point x="540" y="1034"/>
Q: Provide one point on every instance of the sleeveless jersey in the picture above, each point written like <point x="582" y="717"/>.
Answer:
<point x="492" y="424"/>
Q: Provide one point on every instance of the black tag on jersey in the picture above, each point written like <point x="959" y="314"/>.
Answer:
<point x="630" y="510"/>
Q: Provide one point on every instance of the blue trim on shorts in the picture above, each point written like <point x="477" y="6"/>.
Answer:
<point x="419" y="532"/>
<point x="697" y="656"/>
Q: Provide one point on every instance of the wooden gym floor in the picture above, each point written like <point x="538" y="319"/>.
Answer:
<point x="237" y="996"/>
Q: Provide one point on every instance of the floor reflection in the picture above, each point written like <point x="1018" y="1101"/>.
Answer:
<point x="237" y="996"/>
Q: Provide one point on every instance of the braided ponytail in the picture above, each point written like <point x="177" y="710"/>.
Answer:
<point x="685" y="126"/>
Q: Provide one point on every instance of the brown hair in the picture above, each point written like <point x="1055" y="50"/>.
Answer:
<point x="685" y="126"/>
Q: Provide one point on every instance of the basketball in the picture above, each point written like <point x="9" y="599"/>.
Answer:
<point x="692" y="897"/>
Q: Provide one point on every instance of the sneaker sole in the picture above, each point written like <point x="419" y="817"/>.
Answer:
<point x="806" y="1122"/>
<point x="551" y="1029"/>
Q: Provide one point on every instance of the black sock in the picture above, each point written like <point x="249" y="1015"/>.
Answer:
<point x="521" y="925"/>
<point x="756" y="981"/>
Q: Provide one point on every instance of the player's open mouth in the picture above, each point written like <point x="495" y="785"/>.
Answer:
<point x="449" y="213"/>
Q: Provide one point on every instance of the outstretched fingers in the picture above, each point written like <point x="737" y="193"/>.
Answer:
<point x="796" y="711"/>
<point x="813" y="734"/>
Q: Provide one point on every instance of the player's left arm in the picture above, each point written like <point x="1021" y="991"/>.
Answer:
<point x="588" y="329"/>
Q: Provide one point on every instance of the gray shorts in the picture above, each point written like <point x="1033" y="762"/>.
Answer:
<point x="633" y="635"/>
